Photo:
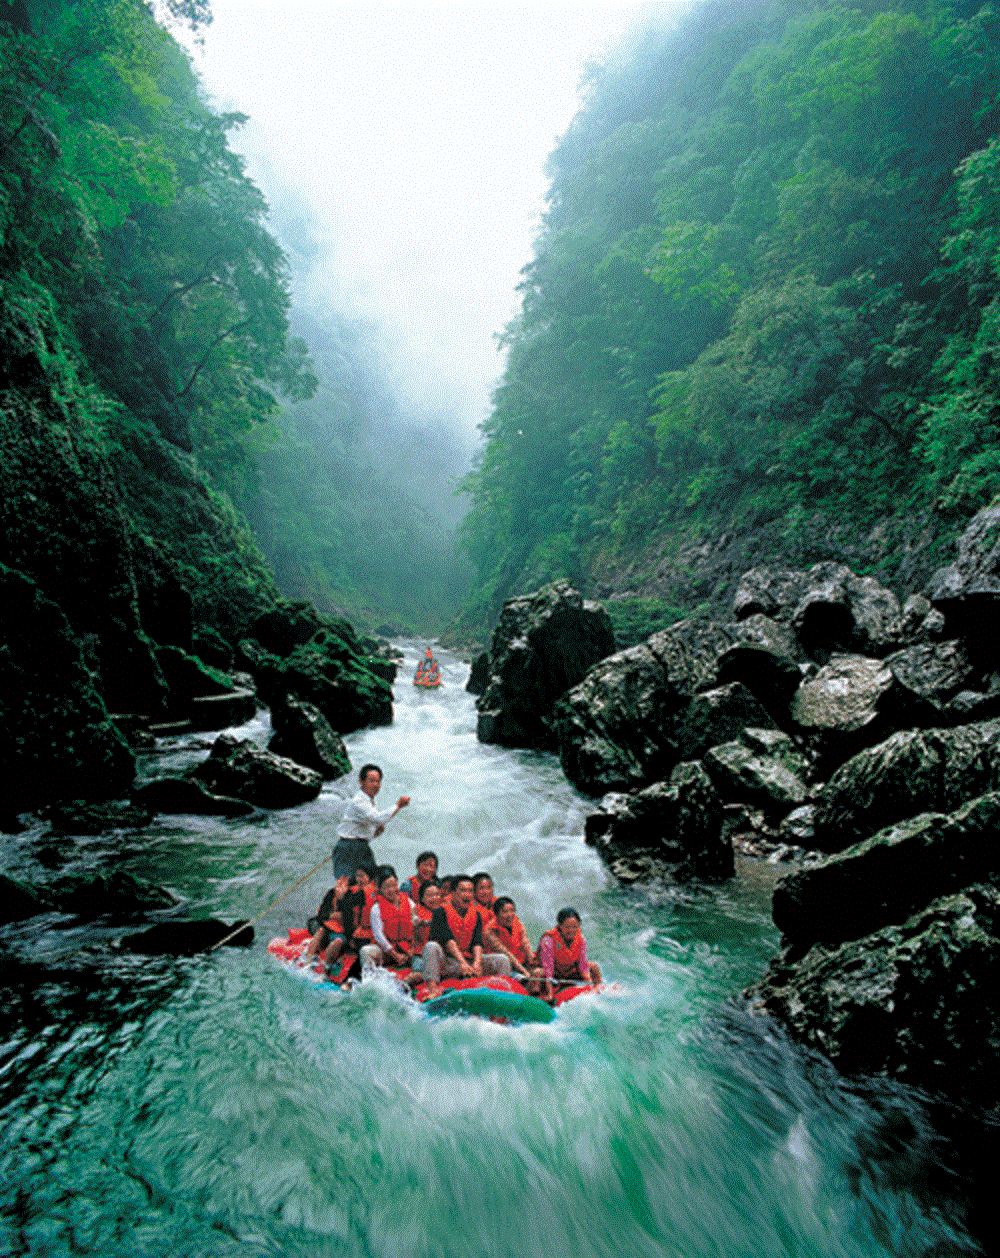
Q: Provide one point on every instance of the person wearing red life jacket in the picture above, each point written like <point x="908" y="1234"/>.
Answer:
<point x="562" y="953"/>
<point x="482" y="890"/>
<point x="423" y="912"/>
<point x="455" y="944"/>
<point x="508" y="936"/>
<point x="391" y="925"/>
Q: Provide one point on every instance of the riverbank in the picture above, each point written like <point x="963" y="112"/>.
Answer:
<point x="823" y="715"/>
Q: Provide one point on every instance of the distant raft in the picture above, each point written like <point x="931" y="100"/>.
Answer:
<point x="428" y="674"/>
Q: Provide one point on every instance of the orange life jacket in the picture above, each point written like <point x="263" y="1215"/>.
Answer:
<point x="463" y="928"/>
<point x="566" y="960"/>
<point x="363" y="930"/>
<point x="397" y="926"/>
<point x="515" y="939"/>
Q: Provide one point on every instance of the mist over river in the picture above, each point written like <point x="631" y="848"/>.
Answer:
<point x="224" y="1105"/>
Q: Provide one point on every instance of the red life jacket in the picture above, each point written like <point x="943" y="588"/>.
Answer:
<point x="515" y="939"/>
<point x="363" y="930"/>
<point x="566" y="960"/>
<point x="397" y="925"/>
<point x="463" y="928"/>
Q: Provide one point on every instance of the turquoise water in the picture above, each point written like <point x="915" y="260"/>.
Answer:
<point x="225" y="1105"/>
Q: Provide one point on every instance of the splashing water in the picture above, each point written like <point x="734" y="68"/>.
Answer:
<point x="223" y="1105"/>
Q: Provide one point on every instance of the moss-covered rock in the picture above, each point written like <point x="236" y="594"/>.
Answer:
<point x="56" y="741"/>
<point x="915" y="1001"/>
<point x="303" y="734"/>
<point x="884" y="879"/>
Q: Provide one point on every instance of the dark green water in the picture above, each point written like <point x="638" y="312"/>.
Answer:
<point x="225" y="1106"/>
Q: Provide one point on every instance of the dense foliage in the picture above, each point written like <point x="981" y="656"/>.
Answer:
<point x="767" y="284"/>
<point x="351" y="498"/>
<point x="143" y="294"/>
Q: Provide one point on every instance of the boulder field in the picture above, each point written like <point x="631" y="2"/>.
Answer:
<point x="824" y="721"/>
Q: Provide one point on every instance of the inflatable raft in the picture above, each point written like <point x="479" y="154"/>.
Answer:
<point x="497" y="997"/>
<point x="427" y="681"/>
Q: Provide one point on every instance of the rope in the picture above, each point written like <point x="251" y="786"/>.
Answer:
<point x="284" y="896"/>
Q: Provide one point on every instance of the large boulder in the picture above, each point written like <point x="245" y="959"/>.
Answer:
<point x="882" y="880"/>
<point x="933" y="673"/>
<point x="287" y="625"/>
<point x="57" y="741"/>
<point x="235" y="767"/>
<point x="851" y="703"/>
<point x="329" y="671"/>
<point x="118" y="895"/>
<point x="479" y="674"/>
<point x="185" y="939"/>
<point x="187" y="795"/>
<point x="303" y="734"/>
<point x="913" y="771"/>
<point x="678" y="823"/>
<point x="767" y="659"/>
<point x="761" y="767"/>
<point x="19" y="900"/>
<point x="618" y="729"/>
<point x="828" y="607"/>
<point x="717" y="716"/>
<point x="967" y="591"/>
<point x="915" y="1001"/>
<point x="543" y="644"/>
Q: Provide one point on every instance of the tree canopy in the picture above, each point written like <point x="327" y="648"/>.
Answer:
<point x="766" y="283"/>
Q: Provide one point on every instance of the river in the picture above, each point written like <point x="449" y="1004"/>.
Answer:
<point x="224" y="1105"/>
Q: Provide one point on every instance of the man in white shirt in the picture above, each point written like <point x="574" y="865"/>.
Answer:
<point x="361" y="823"/>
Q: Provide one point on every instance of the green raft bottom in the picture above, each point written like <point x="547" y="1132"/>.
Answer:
<point x="488" y="1002"/>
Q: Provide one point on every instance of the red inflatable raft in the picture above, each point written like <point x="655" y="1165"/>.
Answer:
<point x="497" y="997"/>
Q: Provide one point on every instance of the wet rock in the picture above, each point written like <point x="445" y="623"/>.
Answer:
<point x="479" y="674"/>
<point x="972" y="706"/>
<point x="303" y="734"/>
<point x="287" y="625"/>
<point x="618" y="729"/>
<point x="543" y="644"/>
<point x="57" y="740"/>
<point x="934" y="672"/>
<point x="207" y="712"/>
<point x="680" y="822"/>
<point x="185" y="939"/>
<point x="79" y="817"/>
<point x="716" y="716"/>
<point x="842" y="612"/>
<point x="852" y="702"/>
<point x="187" y="676"/>
<point x="19" y="900"/>
<point x="771" y="775"/>
<point x="828" y="607"/>
<point x="187" y="795"/>
<point x="212" y="648"/>
<point x="771" y="592"/>
<point x="238" y="768"/>
<point x="328" y="671"/>
<point x="882" y="880"/>
<point x="920" y="622"/>
<point x="743" y="819"/>
<point x="916" y="1001"/>
<point x="119" y="895"/>
<point x="967" y="591"/>
<point x="913" y="771"/>
<point x="798" y="826"/>
<point x="766" y="658"/>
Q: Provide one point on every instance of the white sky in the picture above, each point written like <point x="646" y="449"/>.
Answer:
<point x="413" y="137"/>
